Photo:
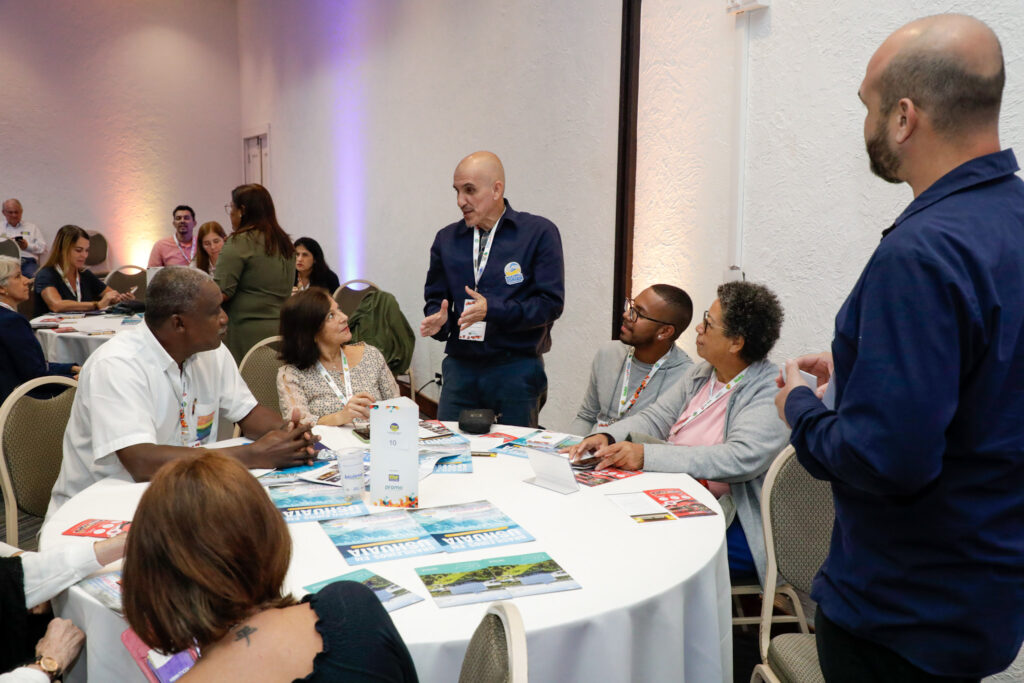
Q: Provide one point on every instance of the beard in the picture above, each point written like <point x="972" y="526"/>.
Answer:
<point x="884" y="162"/>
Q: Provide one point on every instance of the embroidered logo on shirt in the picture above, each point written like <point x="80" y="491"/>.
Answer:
<point x="513" y="273"/>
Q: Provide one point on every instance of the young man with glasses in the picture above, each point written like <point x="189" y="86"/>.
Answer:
<point x="627" y="375"/>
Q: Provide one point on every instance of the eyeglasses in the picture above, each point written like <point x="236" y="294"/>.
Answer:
<point x="632" y="314"/>
<point x="228" y="207"/>
<point x="708" y="325"/>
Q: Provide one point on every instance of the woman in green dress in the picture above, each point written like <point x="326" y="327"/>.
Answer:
<point x="255" y="270"/>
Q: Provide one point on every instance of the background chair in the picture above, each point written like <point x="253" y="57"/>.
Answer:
<point x="123" y="278"/>
<point x="97" y="259"/>
<point x="349" y="297"/>
<point x="259" y="370"/>
<point x="378" y="320"/>
<point x="9" y="248"/>
<point x="497" y="650"/>
<point x="798" y="515"/>
<point x="31" y="447"/>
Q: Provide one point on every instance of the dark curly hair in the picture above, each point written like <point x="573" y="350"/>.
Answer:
<point x="753" y="312"/>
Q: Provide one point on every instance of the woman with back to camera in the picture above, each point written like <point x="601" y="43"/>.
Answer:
<point x="255" y="270"/>
<point x="205" y="565"/>
<point x="210" y="238"/>
<point x="719" y="419"/>
<point x="330" y="381"/>
<point x="311" y="269"/>
<point x="63" y="285"/>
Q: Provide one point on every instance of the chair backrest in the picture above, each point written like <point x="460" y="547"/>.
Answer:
<point x="97" y="259"/>
<point x="497" y="650"/>
<point x="31" y="447"/>
<point x="259" y="370"/>
<point x="9" y="248"/>
<point x="349" y="296"/>
<point x="123" y="278"/>
<point x="798" y="513"/>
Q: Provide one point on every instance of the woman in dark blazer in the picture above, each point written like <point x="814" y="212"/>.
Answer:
<point x="21" y="357"/>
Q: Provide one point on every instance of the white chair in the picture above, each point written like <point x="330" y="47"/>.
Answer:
<point x="497" y="650"/>
<point x="798" y="513"/>
<point x="31" y="448"/>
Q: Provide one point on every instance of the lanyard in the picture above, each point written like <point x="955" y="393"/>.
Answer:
<point x="480" y="262"/>
<point x="712" y="398"/>
<point x="183" y="408"/>
<point x="192" y="252"/>
<point x="623" y="407"/>
<point x="345" y="374"/>
<point x="77" y="289"/>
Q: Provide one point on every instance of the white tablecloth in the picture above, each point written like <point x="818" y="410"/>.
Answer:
<point x="75" y="347"/>
<point x="654" y="603"/>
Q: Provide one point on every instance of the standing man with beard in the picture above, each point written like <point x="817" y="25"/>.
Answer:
<point x="925" y="447"/>
<point x="494" y="289"/>
<point x="628" y="375"/>
<point x="157" y="391"/>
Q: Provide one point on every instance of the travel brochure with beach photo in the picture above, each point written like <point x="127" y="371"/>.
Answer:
<point x="305" y="502"/>
<point x="496" y="578"/>
<point x="469" y="526"/>
<point x="391" y="595"/>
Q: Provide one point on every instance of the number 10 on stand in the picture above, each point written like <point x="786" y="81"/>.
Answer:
<point x="394" y="453"/>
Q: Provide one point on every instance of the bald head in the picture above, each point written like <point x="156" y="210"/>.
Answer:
<point x="479" y="183"/>
<point x="949" y="65"/>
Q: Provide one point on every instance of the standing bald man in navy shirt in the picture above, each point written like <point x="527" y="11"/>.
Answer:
<point x="925" y="447"/>
<point x="494" y="289"/>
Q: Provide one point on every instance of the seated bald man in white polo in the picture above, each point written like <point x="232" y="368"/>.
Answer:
<point x="153" y="393"/>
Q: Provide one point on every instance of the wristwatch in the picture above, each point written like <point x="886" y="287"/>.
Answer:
<point x="49" y="665"/>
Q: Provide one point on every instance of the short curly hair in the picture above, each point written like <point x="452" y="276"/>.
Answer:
<point x="751" y="311"/>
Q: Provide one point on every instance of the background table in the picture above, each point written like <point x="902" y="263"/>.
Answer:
<point x="654" y="603"/>
<point x="75" y="347"/>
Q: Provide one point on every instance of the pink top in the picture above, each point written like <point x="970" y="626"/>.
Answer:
<point x="166" y="252"/>
<point x="707" y="429"/>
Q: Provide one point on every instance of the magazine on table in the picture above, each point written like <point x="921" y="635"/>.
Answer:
<point x="106" y="588"/>
<point x="290" y="475"/>
<point x="382" y="536"/>
<point x="446" y="461"/>
<point x="468" y="526"/>
<point x="599" y="477"/>
<point x="496" y="578"/>
<point x="391" y="595"/>
<point x="430" y="429"/>
<point x="98" y="528"/>
<point x="658" y="505"/>
<point x="487" y="444"/>
<point x="304" y="502"/>
<point x="539" y="440"/>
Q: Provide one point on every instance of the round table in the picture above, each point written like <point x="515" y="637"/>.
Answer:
<point x="654" y="603"/>
<point x="74" y="347"/>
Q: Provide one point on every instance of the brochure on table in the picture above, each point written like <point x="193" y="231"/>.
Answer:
<point x="496" y="578"/>
<point x="658" y="505"/>
<point x="106" y="589"/>
<point x="305" y="502"/>
<point x="539" y="440"/>
<point x="391" y="595"/>
<point x="394" y="453"/>
<point x="468" y="526"/>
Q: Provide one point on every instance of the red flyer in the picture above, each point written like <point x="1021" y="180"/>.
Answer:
<point x="598" y="477"/>
<point x="98" y="528"/>
<point x="679" y="503"/>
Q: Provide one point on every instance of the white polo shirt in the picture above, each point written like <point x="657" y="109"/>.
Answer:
<point x="130" y="391"/>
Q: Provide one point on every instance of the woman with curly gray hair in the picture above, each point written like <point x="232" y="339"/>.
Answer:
<point x="718" y="422"/>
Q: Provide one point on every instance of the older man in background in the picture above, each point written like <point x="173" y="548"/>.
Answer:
<point x="27" y="236"/>
<point x="925" y="447"/>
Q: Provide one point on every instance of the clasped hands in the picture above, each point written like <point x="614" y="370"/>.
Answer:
<point x="432" y="324"/>
<point x="624" y="455"/>
<point x="289" y="446"/>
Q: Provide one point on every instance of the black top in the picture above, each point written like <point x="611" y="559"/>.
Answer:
<point x="21" y="357"/>
<point x="361" y="642"/>
<point x="91" y="287"/>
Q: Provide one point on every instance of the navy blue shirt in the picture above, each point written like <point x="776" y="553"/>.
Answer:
<point x="91" y="287"/>
<point x="21" y="357"/>
<point x="524" y="284"/>
<point x="925" y="450"/>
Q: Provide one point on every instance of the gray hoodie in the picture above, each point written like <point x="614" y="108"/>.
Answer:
<point x="601" y="402"/>
<point x="754" y="435"/>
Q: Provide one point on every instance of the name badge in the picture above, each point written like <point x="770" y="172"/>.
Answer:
<point x="476" y="331"/>
<point x="513" y="273"/>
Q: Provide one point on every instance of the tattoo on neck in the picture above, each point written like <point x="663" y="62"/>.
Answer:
<point x="244" y="632"/>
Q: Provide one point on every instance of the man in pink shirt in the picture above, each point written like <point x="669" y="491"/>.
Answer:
<point x="180" y="248"/>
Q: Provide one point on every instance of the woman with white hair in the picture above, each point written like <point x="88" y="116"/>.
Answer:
<point x="21" y="357"/>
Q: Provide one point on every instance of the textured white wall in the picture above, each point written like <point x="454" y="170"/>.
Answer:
<point x="371" y="105"/>
<point x="812" y="211"/>
<point x="115" y="111"/>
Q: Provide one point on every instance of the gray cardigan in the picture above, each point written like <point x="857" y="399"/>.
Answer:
<point x="601" y="402"/>
<point x="754" y="435"/>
